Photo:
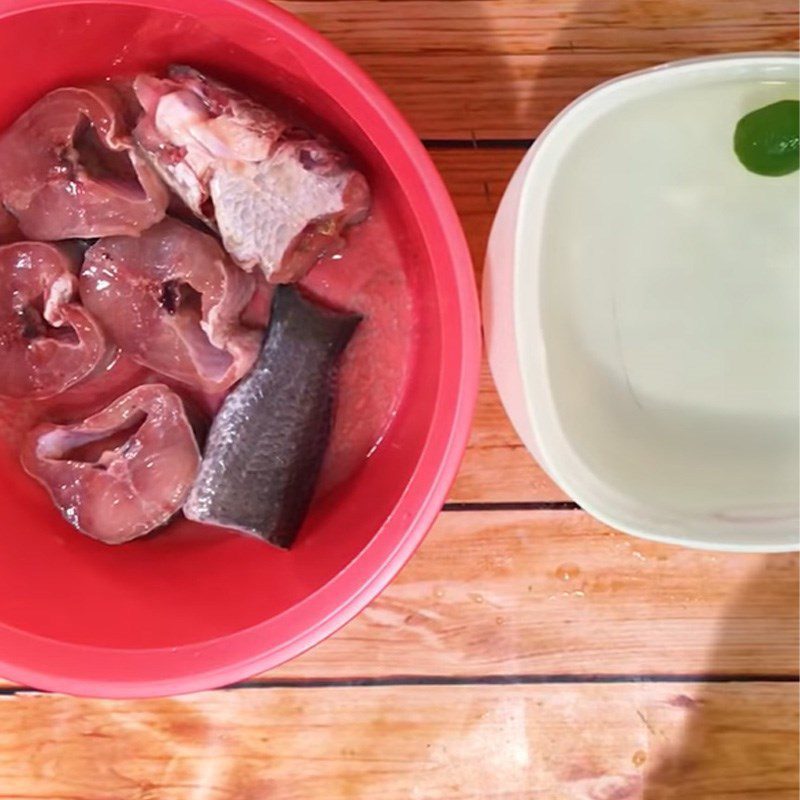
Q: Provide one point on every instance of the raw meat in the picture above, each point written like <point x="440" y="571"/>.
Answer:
<point x="173" y="301"/>
<point x="278" y="196"/>
<point x="9" y="227"/>
<point x="48" y="340"/>
<point x="122" y="472"/>
<point x="68" y="169"/>
<point x="267" y="443"/>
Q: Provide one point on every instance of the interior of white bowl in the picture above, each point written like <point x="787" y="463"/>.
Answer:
<point x="656" y="293"/>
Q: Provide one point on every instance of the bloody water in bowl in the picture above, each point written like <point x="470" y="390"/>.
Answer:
<point x="191" y="583"/>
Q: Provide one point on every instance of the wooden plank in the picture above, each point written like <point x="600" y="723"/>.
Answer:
<point x="553" y="593"/>
<point x="476" y="179"/>
<point x="557" y="593"/>
<point x="496" y="466"/>
<point x="504" y="68"/>
<point x="565" y="742"/>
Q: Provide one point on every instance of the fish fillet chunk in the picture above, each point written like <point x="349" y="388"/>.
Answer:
<point x="278" y="196"/>
<point x="172" y="300"/>
<point x="69" y="169"/>
<point x="48" y="340"/>
<point x="124" y="471"/>
<point x="266" y="445"/>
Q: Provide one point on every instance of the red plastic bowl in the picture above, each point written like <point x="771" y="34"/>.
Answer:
<point x="184" y="612"/>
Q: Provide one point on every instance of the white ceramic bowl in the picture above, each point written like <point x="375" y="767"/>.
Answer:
<point x="641" y="307"/>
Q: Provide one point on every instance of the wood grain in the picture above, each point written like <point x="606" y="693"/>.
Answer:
<point x="477" y="179"/>
<point x="549" y="598"/>
<point x="557" y="593"/>
<point x="503" y="68"/>
<point x="496" y="465"/>
<point x="567" y="742"/>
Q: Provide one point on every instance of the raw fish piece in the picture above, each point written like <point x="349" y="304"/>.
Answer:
<point x="278" y="196"/>
<point x="9" y="227"/>
<point x="173" y="301"/>
<point x="266" y="445"/>
<point x="122" y="472"/>
<point x="68" y="169"/>
<point x="48" y="340"/>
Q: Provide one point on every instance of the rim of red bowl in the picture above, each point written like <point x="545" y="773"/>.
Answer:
<point x="121" y="673"/>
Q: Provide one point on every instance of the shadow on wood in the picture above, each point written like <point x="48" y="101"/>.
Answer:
<point x="602" y="39"/>
<point x="741" y="737"/>
<point x="748" y="741"/>
<point x="434" y="59"/>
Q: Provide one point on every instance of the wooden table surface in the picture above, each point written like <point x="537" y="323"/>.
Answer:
<point x="526" y="651"/>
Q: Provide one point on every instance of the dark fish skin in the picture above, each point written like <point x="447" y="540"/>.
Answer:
<point x="266" y="444"/>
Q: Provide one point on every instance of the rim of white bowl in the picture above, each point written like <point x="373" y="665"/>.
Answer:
<point x="619" y="512"/>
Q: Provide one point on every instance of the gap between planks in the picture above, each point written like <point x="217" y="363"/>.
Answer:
<point x="505" y="680"/>
<point x="476" y="680"/>
<point x="521" y="505"/>
<point x="477" y="144"/>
